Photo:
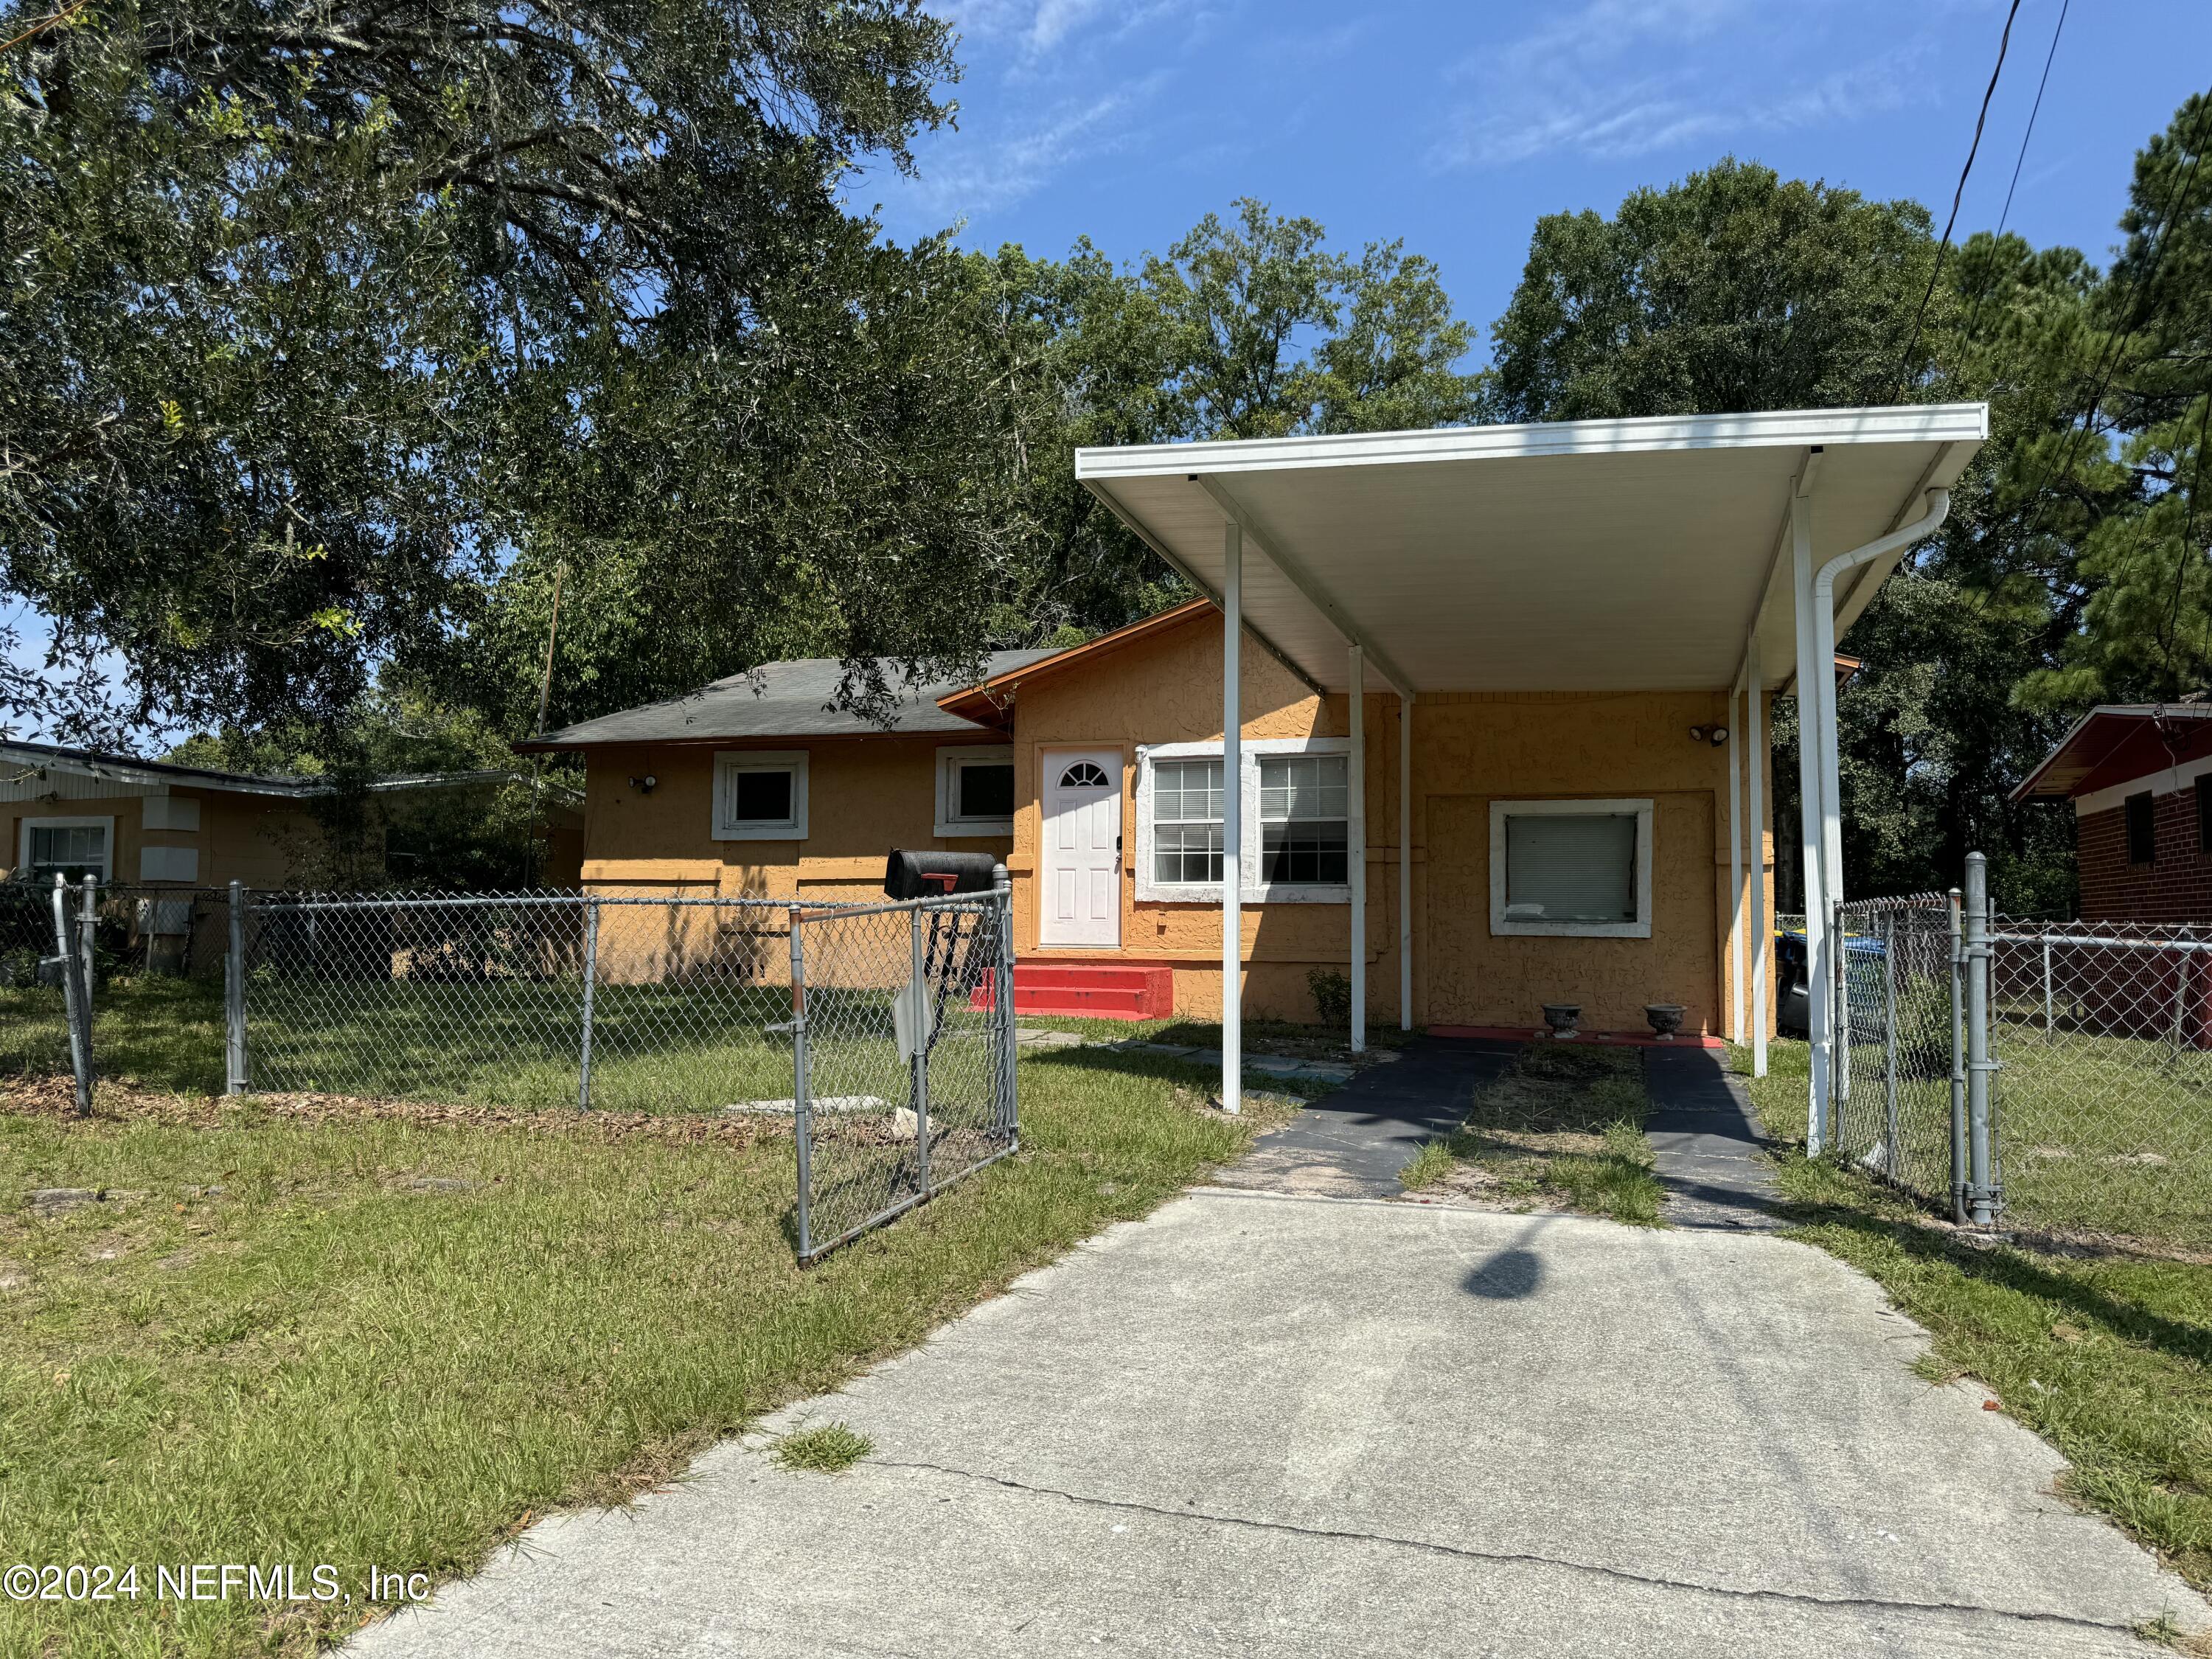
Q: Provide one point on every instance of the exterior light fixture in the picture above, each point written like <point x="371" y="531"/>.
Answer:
<point x="1714" y="735"/>
<point x="646" y="785"/>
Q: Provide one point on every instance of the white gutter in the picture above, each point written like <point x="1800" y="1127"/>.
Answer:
<point x="1824" y="648"/>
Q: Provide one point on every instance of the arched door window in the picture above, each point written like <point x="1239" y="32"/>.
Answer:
<point x="1084" y="774"/>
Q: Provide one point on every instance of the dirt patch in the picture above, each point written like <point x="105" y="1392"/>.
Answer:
<point x="122" y="1102"/>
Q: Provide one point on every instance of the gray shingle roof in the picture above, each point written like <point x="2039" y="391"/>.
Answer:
<point x="778" y="699"/>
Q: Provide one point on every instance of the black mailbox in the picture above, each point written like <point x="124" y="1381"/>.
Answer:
<point x="928" y="875"/>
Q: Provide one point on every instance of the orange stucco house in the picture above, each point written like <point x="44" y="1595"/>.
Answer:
<point x="1094" y="773"/>
<point x="1476" y="716"/>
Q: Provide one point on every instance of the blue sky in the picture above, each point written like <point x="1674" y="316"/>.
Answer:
<point x="1455" y="125"/>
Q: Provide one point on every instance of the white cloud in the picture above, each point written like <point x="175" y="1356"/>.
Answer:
<point x="1621" y="78"/>
<point x="988" y="175"/>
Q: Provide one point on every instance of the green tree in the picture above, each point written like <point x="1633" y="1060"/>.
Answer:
<point x="1736" y="290"/>
<point x="317" y="316"/>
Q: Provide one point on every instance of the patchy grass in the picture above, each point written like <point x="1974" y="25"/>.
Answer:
<point x="830" y="1449"/>
<point x="1562" y="1129"/>
<point x="2106" y="1354"/>
<point x="398" y="1339"/>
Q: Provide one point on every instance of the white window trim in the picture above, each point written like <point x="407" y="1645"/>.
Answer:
<point x="107" y="859"/>
<point x="1150" y="891"/>
<point x="1523" y="927"/>
<point x="792" y="761"/>
<point x="949" y="759"/>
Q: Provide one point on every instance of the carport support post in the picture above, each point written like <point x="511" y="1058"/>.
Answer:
<point x="1355" y="852"/>
<point x="1812" y="807"/>
<point x="1762" y="941"/>
<point x="1735" y="868"/>
<point x="1232" y="819"/>
<point x="1405" y="861"/>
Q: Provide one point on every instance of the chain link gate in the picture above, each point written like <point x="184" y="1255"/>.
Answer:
<point x="1899" y="1094"/>
<point x="902" y="1055"/>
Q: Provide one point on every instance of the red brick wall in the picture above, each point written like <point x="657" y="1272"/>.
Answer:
<point x="2177" y="887"/>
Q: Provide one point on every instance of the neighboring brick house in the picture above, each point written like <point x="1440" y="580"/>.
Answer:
<point x="2140" y="778"/>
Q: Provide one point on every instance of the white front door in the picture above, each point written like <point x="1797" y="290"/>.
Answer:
<point x="1082" y="860"/>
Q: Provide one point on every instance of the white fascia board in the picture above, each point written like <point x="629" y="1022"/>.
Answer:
<point x="1943" y="424"/>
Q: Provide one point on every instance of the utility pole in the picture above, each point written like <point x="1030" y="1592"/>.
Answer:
<point x="552" y="631"/>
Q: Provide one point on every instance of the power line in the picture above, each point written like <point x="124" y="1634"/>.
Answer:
<point x="2004" y="41"/>
<point x="2021" y="161"/>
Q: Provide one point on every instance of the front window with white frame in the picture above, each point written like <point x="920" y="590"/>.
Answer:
<point x="1572" y="868"/>
<point x="73" y="848"/>
<point x="760" y="794"/>
<point x="976" y="790"/>
<point x="1295" y="804"/>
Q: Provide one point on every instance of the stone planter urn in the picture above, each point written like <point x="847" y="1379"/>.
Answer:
<point x="1665" y="1018"/>
<point x="1562" y="1018"/>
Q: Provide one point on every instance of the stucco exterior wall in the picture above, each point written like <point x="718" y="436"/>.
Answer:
<point x="255" y="839"/>
<point x="1468" y="749"/>
<point x="865" y="797"/>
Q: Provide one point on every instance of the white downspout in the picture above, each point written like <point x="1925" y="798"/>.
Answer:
<point x="1824" y="626"/>
<point x="1820" y="791"/>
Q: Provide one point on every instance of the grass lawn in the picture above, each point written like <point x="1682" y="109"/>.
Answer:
<point x="1562" y="1129"/>
<point x="391" y="1341"/>
<point x="2105" y="1351"/>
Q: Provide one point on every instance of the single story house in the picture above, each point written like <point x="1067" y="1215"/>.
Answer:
<point x="141" y="822"/>
<point x="1473" y="716"/>
<point x="2140" y="778"/>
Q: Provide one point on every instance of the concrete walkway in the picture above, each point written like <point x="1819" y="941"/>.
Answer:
<point x="1261" y="1424"/>
<point x="1353" y="1142"/>
<point x="1707" y="1147"/>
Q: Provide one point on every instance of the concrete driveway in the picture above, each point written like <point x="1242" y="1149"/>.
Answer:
<point x="1259" y="1423"/>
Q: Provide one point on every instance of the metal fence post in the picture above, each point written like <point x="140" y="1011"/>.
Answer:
<point x="1840" y="1028"/>
<point x="1889" y="1162"/>
<point x="590" y="985"/>
<point x="234" y="995"/>
<point x="76" y="1013"/>
<point x="87" y="920"/>
<point x="1960" y="1178"/>
<point x="917" y="995"/>
<point x="2050" y="1024"/>
<point x="802" y="1119"/>
<point x="1981" y="1197"/>
<point x="1002" y="888"/>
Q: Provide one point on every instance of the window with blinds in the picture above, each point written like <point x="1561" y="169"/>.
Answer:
<point x="1571" y="868"/>
<point x="1304" y="817"/>
<point x="1186" y="821"/>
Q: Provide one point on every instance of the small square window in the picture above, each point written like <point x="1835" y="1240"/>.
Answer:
<point x="987" y="790"/>
<point x="760" y="795"/>
<point x="976" y="790"/>
<point x="763" y="798"/>
<point x="2142" y="827"/>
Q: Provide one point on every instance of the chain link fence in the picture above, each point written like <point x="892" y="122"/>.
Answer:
<point x="2053" y="1075"/>
<point x="2103" y="1091"/>
<point x="872" y="1029"/>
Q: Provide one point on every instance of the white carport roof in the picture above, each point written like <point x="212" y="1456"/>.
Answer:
<point x="1584" y="554"/>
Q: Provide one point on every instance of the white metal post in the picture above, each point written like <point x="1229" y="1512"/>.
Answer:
<point x="1355" y="851"/>
<point x="1405" y="861"/>
<point x="1735" y="868"/>
<point x="1819" y="991"/>
<point x="1232" y="819"/>
<point x="1762" y="930"/>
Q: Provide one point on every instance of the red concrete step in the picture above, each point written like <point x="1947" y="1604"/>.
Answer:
<point x="1089" y="990"/>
